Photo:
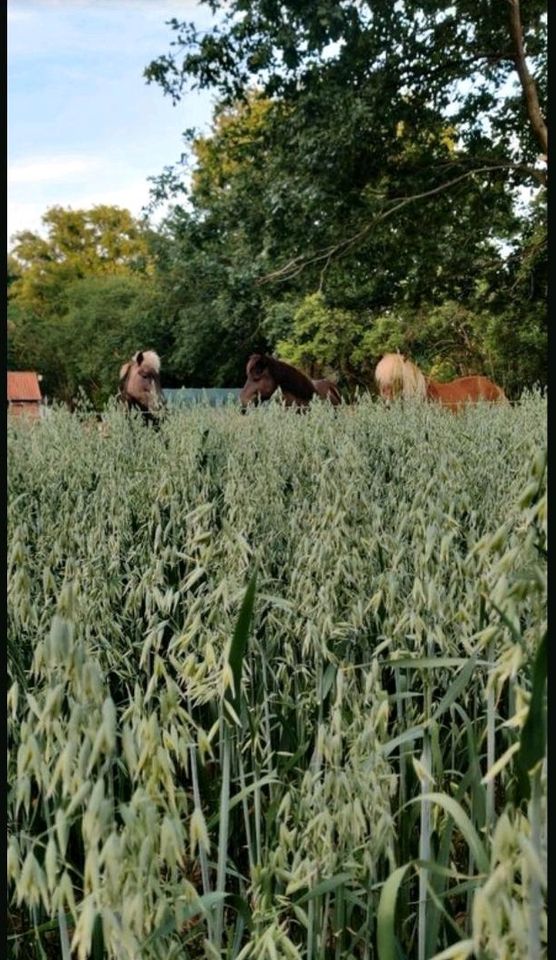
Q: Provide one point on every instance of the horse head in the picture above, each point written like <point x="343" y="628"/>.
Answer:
<point x="396" y="376"/>
<point x="260" y="384"/>
<point x="140" y="381"/>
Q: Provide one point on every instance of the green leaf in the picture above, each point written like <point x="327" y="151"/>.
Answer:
<point x="455" y="688"/>
<point x="239" y="640"/>
<point x="242" y="908"/>
<point x="263" y="782"/>
<point x="464" y="825"/>
<point x="97" y="944"/>
<point x="413" y="733"/>
<point x="430" y="663"/>
<point x="325" y="886"/>
<point x="533" y="736"/>
<point x="166" y="926"/>
<point x="387" y="942"/>
<point x="199" y="907"/>
<point x="328" y="679"/>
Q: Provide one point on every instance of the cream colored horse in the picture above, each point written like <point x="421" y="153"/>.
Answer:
<point x="140" y="384"/>
<point x="396" y="376"/>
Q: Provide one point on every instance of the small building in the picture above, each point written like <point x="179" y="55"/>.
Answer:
<point x="24" y="394"/>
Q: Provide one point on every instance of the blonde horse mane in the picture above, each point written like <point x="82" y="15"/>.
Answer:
<point x="148" y="357"/>
<point x="396" y="376"/>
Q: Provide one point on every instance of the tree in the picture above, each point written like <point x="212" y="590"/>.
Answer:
<point x="324" y="340"/>
<point x="103" y="321"/>
<point x="448" y="54"/>
<point x="349" y="157"/>
<point x="211" y="303"/>
<point x="80" y="243"/>
<point x="82" y="299"/>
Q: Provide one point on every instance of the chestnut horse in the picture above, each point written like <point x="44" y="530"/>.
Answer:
<point x="139" y="387"/>
<point x="396" y="376"/>
<point x="265" y="374"/>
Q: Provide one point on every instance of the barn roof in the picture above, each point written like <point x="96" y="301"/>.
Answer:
<point x="23" y="385"/>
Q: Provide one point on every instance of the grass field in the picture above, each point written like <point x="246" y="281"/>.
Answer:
<point x="276" y="685"/>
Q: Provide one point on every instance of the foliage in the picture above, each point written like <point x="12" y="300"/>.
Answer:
<point x="80" y="243"/>
<point x="399" y="70"/>
<point x="184" y="783"/>
<point x="81" y="300"/>
<point x="373" y="156"/>
<point x="212" y="305"/>
<point x="370" y="181"/>
<point x="324" y="340"/>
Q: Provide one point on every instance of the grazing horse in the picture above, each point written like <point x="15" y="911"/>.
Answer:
<point x="396" y="376"/>
<point x="139" y="387"/>
<point x="265" y="374"/>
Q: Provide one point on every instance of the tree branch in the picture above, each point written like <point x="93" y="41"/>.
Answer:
<point x="297" y="264"/>
<point x="530" y="95"/>
<point x="492" y="58"/>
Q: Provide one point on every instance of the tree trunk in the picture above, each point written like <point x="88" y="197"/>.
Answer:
<point x="532" y="105"/>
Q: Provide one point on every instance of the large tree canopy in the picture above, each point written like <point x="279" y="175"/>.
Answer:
<point x="410" y="59"/>
<point x="374" y="153"/>
<point x="99" y="242"/>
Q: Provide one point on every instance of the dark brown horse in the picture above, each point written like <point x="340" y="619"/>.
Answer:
<point x="265" y="374"/>
<point x="139" y="387"/>
<point x="396" y="376"/>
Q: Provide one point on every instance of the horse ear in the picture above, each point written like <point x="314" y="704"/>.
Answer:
<point x="139" y="358"/>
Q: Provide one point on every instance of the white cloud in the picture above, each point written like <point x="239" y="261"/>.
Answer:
<point x="84" y="128"/>
<point x="51" y="169"/>
<point x="26" y="214"/>
<point x="132" y="196"/>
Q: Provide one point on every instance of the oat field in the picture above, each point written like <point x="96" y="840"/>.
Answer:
<point x="277" y="685"/>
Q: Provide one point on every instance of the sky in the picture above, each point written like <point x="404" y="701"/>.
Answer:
<point x="84" y="127"/>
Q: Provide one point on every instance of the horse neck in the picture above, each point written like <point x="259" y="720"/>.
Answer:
<point x="133" y="403"/>
<point x="290" y="379"/>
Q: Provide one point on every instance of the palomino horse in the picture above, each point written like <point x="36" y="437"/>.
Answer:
<point x="396" y="376"/>
<point x="265" y="374"/>
<point x="139" y="387"/>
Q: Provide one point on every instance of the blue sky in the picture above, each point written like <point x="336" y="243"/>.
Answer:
<point x="84" y="127"/>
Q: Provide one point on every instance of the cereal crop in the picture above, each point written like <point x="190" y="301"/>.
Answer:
<point x="277" y="684"/>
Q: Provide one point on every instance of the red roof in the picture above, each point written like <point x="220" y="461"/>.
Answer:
<point x="23" y="385"/>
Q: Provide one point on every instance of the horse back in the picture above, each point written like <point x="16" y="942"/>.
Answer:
<point x="463" y="390"/>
